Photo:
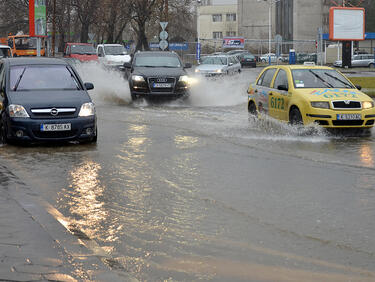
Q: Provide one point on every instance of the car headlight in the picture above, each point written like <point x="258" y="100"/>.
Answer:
<point x="197" y="70"/>
<point x="184" y="78"/>
<point x="87" y="109"/>
<point x="367" y="105"/>
<point x="219" y="71"/>
<point x="138" y="78"/>
<point x="17" y="111"/>
<point x="322" y="105"/>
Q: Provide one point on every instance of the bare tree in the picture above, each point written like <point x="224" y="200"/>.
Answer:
<point x="86" y="12"/>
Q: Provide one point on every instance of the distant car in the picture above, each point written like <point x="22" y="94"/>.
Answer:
<point x="362" y="60"/>
<point x="247" y="59"/>
<point x="310" y="94"/>
<point x="5" y="51"/>
<point x="215" y="65"/>
<point x="44" y="99"/>
<point x="113" y="55"/>
<point x="84" y="52"/>
<point x="158" y="74"/>
<point x="265" y="58"/>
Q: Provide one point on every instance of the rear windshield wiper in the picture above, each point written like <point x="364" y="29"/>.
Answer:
<point x="338" y="79"/>
<point x="19" y="79"/>
<point x="322" y="79"/>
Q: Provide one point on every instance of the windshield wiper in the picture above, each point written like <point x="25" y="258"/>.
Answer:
<point x="322" y="79"/>
<point x="338" y="79"/>
<point x="19" y="79"/>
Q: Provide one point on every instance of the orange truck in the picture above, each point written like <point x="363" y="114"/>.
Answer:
<point x="23" y="45"/>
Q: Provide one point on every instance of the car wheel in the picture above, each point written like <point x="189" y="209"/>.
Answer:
<point x="371" y="66"/>
<point x="263" y="60"/>
<point x="133" y="97"/>
<point x="295" y="117"/>
<point x="252" y="108"/>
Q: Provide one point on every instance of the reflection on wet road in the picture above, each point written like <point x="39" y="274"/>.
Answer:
<point x="192" y="191"/>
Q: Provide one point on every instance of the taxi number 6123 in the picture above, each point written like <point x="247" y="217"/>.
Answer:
<point x="277" y="103"/>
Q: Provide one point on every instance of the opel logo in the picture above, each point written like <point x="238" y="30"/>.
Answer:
<point x="54" y="112"/>
<point x="161" y="80"/>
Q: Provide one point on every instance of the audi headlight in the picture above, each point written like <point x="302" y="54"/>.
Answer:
<point x="322" y="105"/>
<point x="184" y="78"/>
<point x="367" y="105"/>
<point x="138" y="78"/>
<point x="17" y="111"/>
<point x="87" y="109"/>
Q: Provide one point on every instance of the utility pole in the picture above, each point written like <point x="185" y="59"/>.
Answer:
<point x="53" y="28"/>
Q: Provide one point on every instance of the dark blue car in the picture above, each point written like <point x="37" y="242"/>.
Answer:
<point x="44" y="99"/>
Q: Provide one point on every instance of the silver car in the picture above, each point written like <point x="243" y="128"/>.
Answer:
<point x="214" y="65"/>
<point x="362" y="60"/>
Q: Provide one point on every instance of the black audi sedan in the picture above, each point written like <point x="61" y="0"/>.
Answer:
<point x="157" y="74"/>
<point x="44" y="99"/>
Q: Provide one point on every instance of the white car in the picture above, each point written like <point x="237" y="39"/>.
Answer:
<point x="5" y="51"/>
<point x="214" y="65"/>
<point x="362" y="60"/>
<point x="113" y="55"/>
<point x="265" y="58"/>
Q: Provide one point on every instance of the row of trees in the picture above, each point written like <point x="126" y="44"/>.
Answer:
<point x="107" y="19"/>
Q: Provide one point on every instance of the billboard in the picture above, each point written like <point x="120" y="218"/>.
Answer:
<point x="233" y="42"/>
<point x="37" y="18"/>
<point x="346" y="24"/>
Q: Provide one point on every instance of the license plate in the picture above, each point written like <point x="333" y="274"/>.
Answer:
<point x="349" y="116"/>
<point x="56" y="127"/>
<point x="162" y="85"/>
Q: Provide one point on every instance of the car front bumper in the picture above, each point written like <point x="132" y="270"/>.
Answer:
<point x="27" y="129"/>
<point x="329" y="118"/>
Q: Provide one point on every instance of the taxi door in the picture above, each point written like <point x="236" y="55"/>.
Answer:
<point x="263" y="90"/>
<point x="279" y="96"/>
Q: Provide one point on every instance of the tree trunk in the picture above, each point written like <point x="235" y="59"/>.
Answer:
<point x="85" y="33"/>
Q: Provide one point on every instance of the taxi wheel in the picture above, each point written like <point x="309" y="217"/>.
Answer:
<point x="252" y="108"/>
<point x="295" y="117"/>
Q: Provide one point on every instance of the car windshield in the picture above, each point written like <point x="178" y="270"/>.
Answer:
<point x="42" y="78"/>
<point x="83" y="49"/>
<point x="4" y="52"/>
<point x="214" y="61"/>
<point x="319" y="78"/>
<point x="115" y="50"/>
<point x="157" y="61"/>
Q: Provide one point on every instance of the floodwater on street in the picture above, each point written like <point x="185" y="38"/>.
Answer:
<point x="197" y="190"/>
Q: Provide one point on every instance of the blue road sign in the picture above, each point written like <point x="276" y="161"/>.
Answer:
<point x="198" y="51"/>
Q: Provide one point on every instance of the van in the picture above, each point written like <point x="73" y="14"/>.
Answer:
<point x="113" y="55"/>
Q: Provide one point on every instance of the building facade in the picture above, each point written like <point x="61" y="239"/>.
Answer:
<point x="294" y="20"/>
<point x="216" y="22"/>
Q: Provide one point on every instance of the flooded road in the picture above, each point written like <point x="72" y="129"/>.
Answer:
<point x="195" y="190"/>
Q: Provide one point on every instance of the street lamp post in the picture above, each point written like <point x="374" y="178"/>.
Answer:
<point x="270" y="3"/>
<point x="198" y="29"/>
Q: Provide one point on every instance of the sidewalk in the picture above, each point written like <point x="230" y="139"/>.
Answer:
<point x="34" y="246"/>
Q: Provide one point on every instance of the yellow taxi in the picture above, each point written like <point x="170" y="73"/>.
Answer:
<point x="301" y="94"/>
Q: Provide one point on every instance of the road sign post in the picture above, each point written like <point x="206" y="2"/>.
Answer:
<point x="163" y="44"/>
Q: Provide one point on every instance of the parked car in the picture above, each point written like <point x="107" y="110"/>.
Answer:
<point x="247" y="59"/>
<point x="44" y="99"/>
<point x="5" y="51"/>
<point x="83" y="52"/>
<point x="311" y="94"/>
<point x="113" y="55"/>
<point x="301" y="58"/>
<point x="362" y="60"/>
<point x="157" y="74"/>
<point x="265" y="58"/>
<point x="218" y="65"/>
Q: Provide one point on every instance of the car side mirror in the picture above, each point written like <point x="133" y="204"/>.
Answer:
<point x="282" y="87"/>
<point x="230" y="64"/>
<point x="127" y="65"/>
<point x="359" y="87"/>
<point x="188" y="66"/>
<point x="88" y="85"/>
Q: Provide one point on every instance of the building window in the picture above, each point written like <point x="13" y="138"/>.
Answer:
<point x="217" y="18"/>
<point x="217" y="35"/>
<point x="231" y="17"/>
<point x="231" y="33"/>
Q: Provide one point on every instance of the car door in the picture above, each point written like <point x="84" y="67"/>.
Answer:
<point x="279" y="96"/>
<point x="357" y="61"/>
<point x="263" y="89"/>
